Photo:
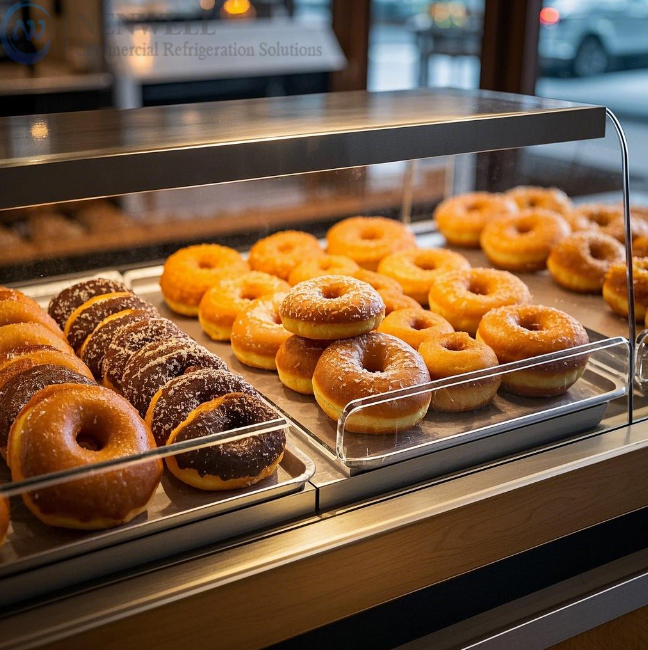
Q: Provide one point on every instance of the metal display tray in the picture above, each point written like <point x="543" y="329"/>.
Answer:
<point x="582" y="408"/>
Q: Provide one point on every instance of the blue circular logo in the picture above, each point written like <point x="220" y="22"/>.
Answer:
<point x="15" y="31"/>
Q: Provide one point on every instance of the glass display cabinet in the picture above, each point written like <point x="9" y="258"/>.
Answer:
<point x="112" y="194"/>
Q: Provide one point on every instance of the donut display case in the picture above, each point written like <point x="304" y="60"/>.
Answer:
<point x="336" y="297"/>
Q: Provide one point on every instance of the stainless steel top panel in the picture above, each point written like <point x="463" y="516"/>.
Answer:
<point x="49" y="158"/>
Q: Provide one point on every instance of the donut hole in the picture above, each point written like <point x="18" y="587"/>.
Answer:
<point x="331" y="293"/>
<point x="90" y="440"/>
<point x="250" y="294"/>
<point x="531" y="324"/>
<point x="370" y="234"/>
<point x="286" y="247"/>
<point x="478" y="287"/>
<point x="325" y="265"/>
<point x="419" y="324"/>
<point x="373" y="363"/>
<point x="206" y="264"/>
<point x="454" y="344"/>
<point x="425" y="264"/>
<point x="597" y="251"/>
<point x="523" y="227"/>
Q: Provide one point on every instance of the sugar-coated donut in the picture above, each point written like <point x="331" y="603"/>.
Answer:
<point x="223" y="302"/>
<point x="4" y="520"/>
<point x="332" y="307"/>
<point x="366" y="240"/>
<point x="366" y="365"/>
<point x="616" y="228"/>
<point x="395" y="300"/>
<point x="13" y="294"/>
<point x="16" y="392"/>
<point x="190" y="271"/>
<point x="296" y="360"/>
<point x="62" y="305"/>
<point x="21" y="311"/>
<point x="463" y="297"/>
<point x="546" y="198"/>
<point x="615" y="288"/>
<point x="85" y="318"/>
<point x="231" y="465"/>
<point x="520" y="332"/>
<point x="19" y="335"/>
<point x="280" y="253"/>
<point x="523" y="242"/>
<point x="159" y="362"/>
<point x="580" y="262"/>
<point x="609" y="219"/>
<point x="461" y="219"/>
<point x="173" y="403"/>
<point x="415" y="326"/>
<point x="640" y="247"/>
<point x="378" y="281"/>
<point x="258" y="333"/>
<point x="130" y="339"/>
<point x="94" y="348"/>
<point x="414" y="269"/>
<point x="453" y="354"/>
<point x="322" y="265"/>
<point x="69" y="426"/>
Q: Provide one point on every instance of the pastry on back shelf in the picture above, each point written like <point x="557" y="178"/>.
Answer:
<point x="46" y="228"/>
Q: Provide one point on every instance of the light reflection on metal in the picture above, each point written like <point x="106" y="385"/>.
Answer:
<point x="238" y="9"/>
<point x="39" y="130"/>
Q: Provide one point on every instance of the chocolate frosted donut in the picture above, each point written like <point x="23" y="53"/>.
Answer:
<point x="158" y="363"/>
<point x="230" y="465"/>
<point x="96" y="345"/>
<point x="173" y="402"/>
<point x="90" y="314"/>
<point x="62" y="306"/>
<point x="129" y="340"/>
<point x="16" y="392"/>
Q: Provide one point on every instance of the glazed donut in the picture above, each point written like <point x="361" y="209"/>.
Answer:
<point x="20" y="311"/>
<point x="461" y="219"/>
<point x="128" y="340"/>
<point x="616" y="228"/>
<point x="85" y="318"/>
<point x="366" y="240"/>
<point x="280" y="253"/>
<point x="415" y="326"/>
<point x="158" y="363"/>
<point x="18" y="335"/>
<point x="592" y="216"/>
<point x="580" y="262"/>
<point x="414" y="269"/>
<point x="222" y="303"/>
<point x="366" y="365"/>
<point x="94" y="348"/>
<point x="4" y="520"/>
<point x="83" y="425"/>
<point x="615" y="288"/>
<point x="296" y="360"/>
<point x="453" y="354"/>
<point x="15" y="295"/>
<point x="322" y="265"/>
<point x="190" y="271"/>
<point x="332" y="307"/>
<point x="546" y="198"/>
<point x="231" y="465"/>
<point x="523" y="242"/>
<point x="173" y="403"/>
<point x="395" y="300"/>
<point x="16" y="392"/>
<point x="257" y="332"/>
<point x="377" y="281"/>
<point x="62" y="306"/>
<point x="38" y="355"/>
<point x="640" y="247"/>
<point x="463" y="297"/>
<point x="518" y="332"/>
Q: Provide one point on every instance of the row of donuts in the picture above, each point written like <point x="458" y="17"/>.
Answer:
<point x="321" y="307"/>
<point x="54" y="417"/>
<point x="531" y="228"/>
<point x="181" y="389"/>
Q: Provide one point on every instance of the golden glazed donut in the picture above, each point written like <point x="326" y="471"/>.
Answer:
<point x="615" y="288"/>
<point x="21" y="311"/>
<point x="257" y="332"/>
<point x="296" y="360"/>
<point x="580" y="262"/>
<point x="616" y="228"/>
<point x="189" y="272"/>
<point x="366" y="365"/>
<point x="545" y="198"/>
<point x="592" y="216"/>
<point x="15" y="295"/>
<point x="232" y="465"/>
<point x="463" y="297"/>
<point x="366" y="240"/>
<point x="414" y="269"/>
<point x="222" y="303"/>
<point x="33" y="355"/>
<point x="323" y="265"/>
<point x="448" y="355"/>
<point x="520" y="332"/>
<point x="461" y="219"/>
<point x="640" y="247"/>
<point x="377" y="281"/>
<point x="280" y="253"/>
<point x="523" y="242"/>
<point x="331" y="307"/>
<point x="19" y="335"/>
<point x="395" y="300"/>
<point x="415" y="326"/>
<point x="67" y="426"/>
